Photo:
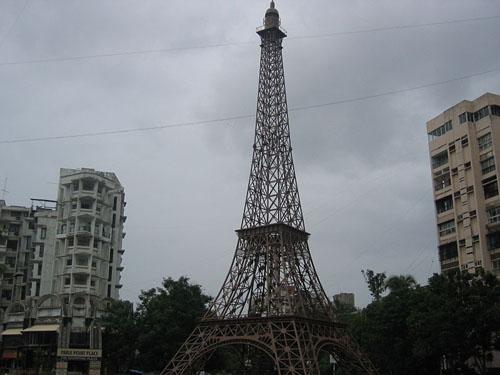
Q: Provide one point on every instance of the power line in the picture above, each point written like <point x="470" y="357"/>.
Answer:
<point x="242" y="117"/>
<point x="228" y="44"/>
<point x="397" y="27"/>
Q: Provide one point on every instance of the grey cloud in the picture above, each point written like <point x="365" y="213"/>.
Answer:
<point x="362" y="167"/>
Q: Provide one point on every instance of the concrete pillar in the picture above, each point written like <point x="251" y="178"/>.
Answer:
<point x="61" y="368"/>
<point x="94" y="368"/>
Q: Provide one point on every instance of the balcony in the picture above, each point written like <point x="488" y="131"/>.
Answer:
<point x="121" y="251"/>
<point x="84" y="230"/>
<point x="120" y="268"/>
<point x="119" y="286"/>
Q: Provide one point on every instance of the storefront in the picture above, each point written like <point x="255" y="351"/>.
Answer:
<point x="83" y="361"/>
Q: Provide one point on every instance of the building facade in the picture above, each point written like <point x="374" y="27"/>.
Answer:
<point x="346" y="299"/>
<point x="464" y="146"/>
<point x="68" y="267"/>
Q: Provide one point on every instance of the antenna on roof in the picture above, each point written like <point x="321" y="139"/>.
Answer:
<point x="4" y="189"/>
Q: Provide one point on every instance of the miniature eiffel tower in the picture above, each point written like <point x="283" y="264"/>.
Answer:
<point x="272" y="298"/>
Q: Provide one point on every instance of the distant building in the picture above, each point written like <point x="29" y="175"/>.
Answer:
<point x="64" y="268"/>
<point x="346" y="299"/>
<point x="464" y="146"/>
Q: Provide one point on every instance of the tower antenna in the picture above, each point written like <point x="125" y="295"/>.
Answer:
<point x="4" y="189"/>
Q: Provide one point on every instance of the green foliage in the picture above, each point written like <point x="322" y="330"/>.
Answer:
<point x="376" y="283"/>
<point x="147" y="338"/>
<point x="119" y="335"/>
<point x="416" y="330"/>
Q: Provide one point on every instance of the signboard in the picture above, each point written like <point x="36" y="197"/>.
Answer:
<point x="69" y="354"/>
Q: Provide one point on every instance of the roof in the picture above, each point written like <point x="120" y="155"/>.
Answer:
<point x="12" y="332"/>
<point x="42" y="328"/>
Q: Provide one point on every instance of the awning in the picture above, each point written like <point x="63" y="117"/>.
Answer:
<point x="42" y="328"/>
<point x="12" y="332"/>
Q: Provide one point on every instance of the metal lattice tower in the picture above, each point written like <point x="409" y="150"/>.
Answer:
<point x="272" y="298"/>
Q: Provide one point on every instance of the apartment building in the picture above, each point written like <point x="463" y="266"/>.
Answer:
<point x="64" y="266"/>
<point x="14" y="240"/>
<point x="464" y="146"/>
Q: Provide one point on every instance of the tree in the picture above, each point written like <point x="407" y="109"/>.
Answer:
<point x="119" y="336"/>
<point x="376" y="283"/>
<point x="449" y="326"/>
<point x="165" y="318"/>
<point x="400" y="283"/>
<point x="459" y="320"/>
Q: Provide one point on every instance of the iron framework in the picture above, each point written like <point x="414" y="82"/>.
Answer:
<point x="272" y="298"/>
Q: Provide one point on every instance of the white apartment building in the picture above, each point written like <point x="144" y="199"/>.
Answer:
<point x="63" y="265"/>
<point x="88" y="251"/>
<point x="464" y="146"/>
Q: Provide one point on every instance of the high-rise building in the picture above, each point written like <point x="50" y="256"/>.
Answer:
<point x="90" y="231"/>
<point x="464" y="146"/>
<point x="346" y="299"/>
<point x="14" y="245"/>
<point x="62" y="265"/>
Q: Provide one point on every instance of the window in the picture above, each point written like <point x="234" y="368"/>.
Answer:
<point x="86" y="204"/>
<point x="10" y="261"/>
<point x="446" y="228"/>
<point x="69" y="261"/>
<point x="41" y="250"/>
<point x="448" y="251"/>
<point x="461" y="243"/>
<point x="444" y="204"/>
<point x="490" y="187"/>
<point x="466" y="117"/>
<point x="37" y="292"/>
<point x="79" y="301"/>
<point x="467" y="165"/>
<point x="92" y="283"/>
<point x="439" y="159"/>
<point x="451" y="147"/>
<point x="496" y="264"/>
<point x="88" y="185"/>
<point x="495" y="110"/>
<point x="96" y="243"/>
<point x="115" y="203"/>
<point x="465" y="141"/>
<point x="110" y="255"/>
<point x="483" y="112"/>
<point x="71" y="241"/>
<point x="39" y="271"/>
<point x="441" y="181"/>
<point x="74" y="204"/>
<point x="80" y="279"/>
<point x="475" y="239"/>
<point x="484" y="142"/>
<point x="94" y="264"/>
<point x="82" y="260"/>
<point x="493" y="214"/>
<point x="109" y="290"/>
<point x="487" y="162"/>
<point x="43" y="233"/>
<point x="76" y="185"/>
<point x="113" y="221"/>
<point x="454" y="171"/>
<point x="493" y="240"/>
<point x="110" y="273"/>
<point x="67" y="281"/>
<point x="83" y="241"/>
<point x="446" y="127"/>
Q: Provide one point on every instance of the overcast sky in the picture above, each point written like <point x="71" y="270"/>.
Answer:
<point x="362" y="166"/>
